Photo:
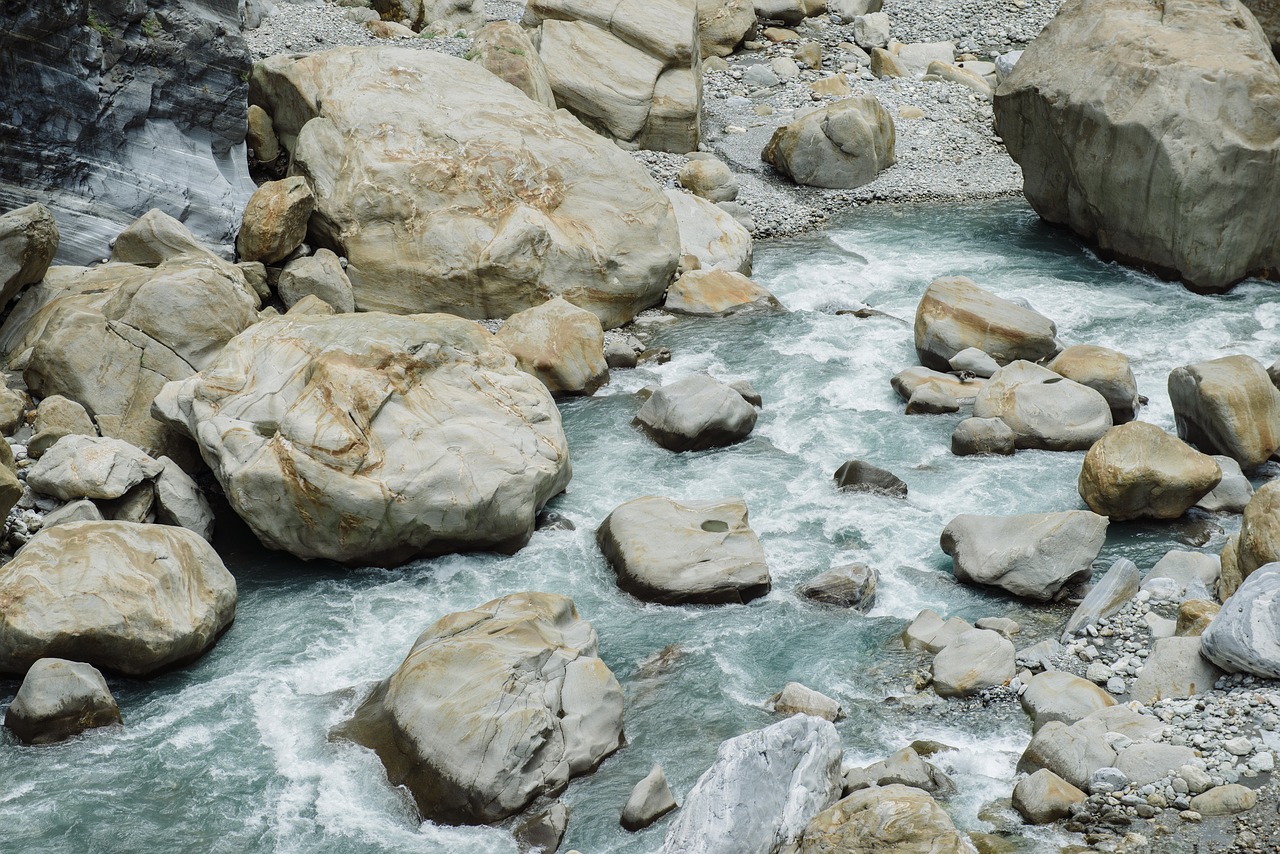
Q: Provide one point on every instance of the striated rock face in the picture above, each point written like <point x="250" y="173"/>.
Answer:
<point x="373" y="438"/>
<point x="118" y="595"/>
<point x="1148" y="128"/>
<point x="504" y="49"/>
<point x="149" y="112"/>
<point x="477" y="201"/>
<point x="893" y="819"/>
<point x="494" y="707"/>
<point x="761" y="792"/>
<point x="631" y="70"/>
<point x="1245" y="634"/>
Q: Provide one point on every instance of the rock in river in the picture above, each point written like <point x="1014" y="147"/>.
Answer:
<point x="373" y="438"/>
<point x="840" y="146"/>
<point x="118" y="595"/>
<point x="1148" y="128"/>
<point x="1043" y="409"/>
<point x="1033" y="556"/>
<point x="476" y="201"/>
<point x="560" y="344"/>
<point x="695" y="414"/>
<point x="761" y="792"/>
<point x="893" y="819"/>
<point x="1227" y="406"/>
<point x="494" y="707"/>
<point x="1138" y="471"/>
<point x="695" y="552"/>
<point x="59" y="699"/>
<point x="975" y="660"/>
<point x="955" y="314"/>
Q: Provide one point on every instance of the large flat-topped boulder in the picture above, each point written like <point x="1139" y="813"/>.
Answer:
<point x="630" y="69"/>
<point x="955" y="314"/>
<point x="373" y="438"/>
<point x="1043" y="409"/>
<point x="1148" y="128"/>
<point x="494" y="707"/>
<point x="449" y="190"/>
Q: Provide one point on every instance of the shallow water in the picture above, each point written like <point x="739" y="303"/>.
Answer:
<point x="232" y="755"/>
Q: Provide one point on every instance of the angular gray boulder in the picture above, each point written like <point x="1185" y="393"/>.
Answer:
<point x="840" y="146"/>
<point x="121" y="596"/>
<point x="493" y="708"/>
<point x="1137" y="162"/>
<point x="1227" y="406"/>
<point x="560" y="344"/>
<point x="852" y="586"/>
<point x="1043" y="409"/>
<point x="695" y="414"/>
<point x="374" y="438"/>
<point x="859" y="476"/>
<point x="104" y="122"/>
<point x="762" y="790"/>
<point x="1034" y="556"/>
<point x="976" y="659"/>
<point x="478" y="202"/>
<point x="1245" y="635"/>
<point x="1114" y="590"/>
<point x="955" y="315"/>
<point x="1056" y="695"/>
<point x="1174" y="669"/>
<point x="683" y="553"/>
<point x="59" y="699"/>
<point x="91" y="467"/>
<point x="650" y="800"/>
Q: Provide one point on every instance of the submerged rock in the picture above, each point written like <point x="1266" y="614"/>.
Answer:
<point x="762" y="791"/>
<point x="852" y="586"/>
<point x="59" y="699"/>
<point x="1034" y="556"/>
<point x="695" y="552"/>
<point x="955" y="315"/>
<point x="1227" y="406"/>
<point x="372" y="438"/>
<point x="479" y="201"/>
<point x="493" y="708"/>
<point x="121" y="596"/>
<point x="695" y="414"/>
<point x="1138" y="162"/>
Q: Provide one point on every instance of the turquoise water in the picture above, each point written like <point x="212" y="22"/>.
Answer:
<point x="232" y="754"/>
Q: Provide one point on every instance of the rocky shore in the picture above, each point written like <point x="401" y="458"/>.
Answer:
<point x="456" y="221"/>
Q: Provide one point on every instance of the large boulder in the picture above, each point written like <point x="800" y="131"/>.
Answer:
<point x="91" y="467"/>
<point x="1044" y="797"/>
<point x="118" y="595"/>
<point x="710" y="234"/>
<point x="761" y="792"/>
<point x="109" y="337"/>
<point x="373" y="438"/>
<point x="695" y="414"/>
<point x="275" y="220"/>
<point x="477" y="200"/>
<point x="893" y="819"/>
<point x="104" y="121"/>
<point x="1160" y="169"/>
<point x="695" y="552"/>
<point x="1075" y="751"/>
<point x="1043" y="409"/>
<point x="1174" y="669"/>
<point x="723" y="24"/>
<point x="841" y="146"/>
<point x="1227" y="406"/>
<point x="1138" y="471"/>
<point x="955" y="314"/>
<point x="28" y="242"/>
<point x="319" y="275"/>
<point x="1105" y="371"/>
<point x="1034" y="556"/>
<point x="493" y="708"/>
<point x="1244" y="637"/>
<point x="649" y="801"/>
<point x="1056" y="695"/>
<point x="1258" y="543"/>
<point x="716" y="293"/>
<point x="630" y="70"/>
<point x="59" y="699"/>
<point x="504" y="48"/>
<point x="852" y="586"/>
<point x="417" y="14"/>
<point x="560" y="344"/>
<point x="977" y="659"/>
